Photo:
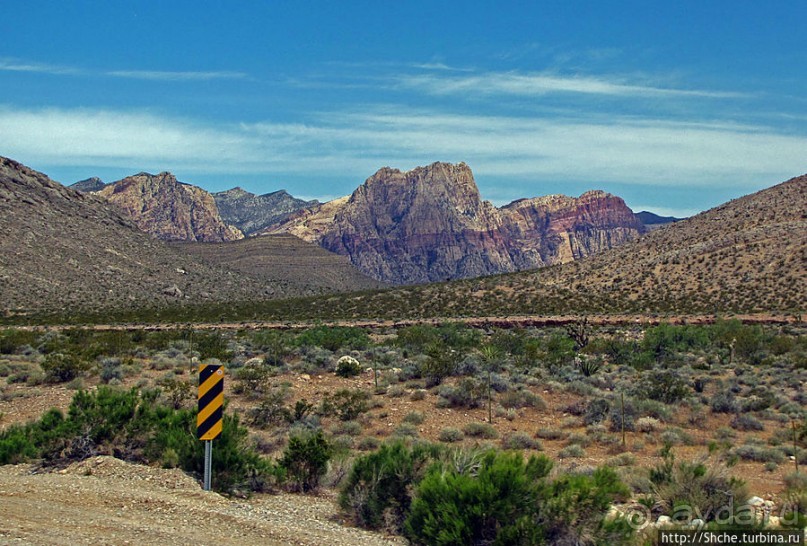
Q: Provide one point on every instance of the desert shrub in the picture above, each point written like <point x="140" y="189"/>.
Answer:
<point x="508" y="500"/>
<point x="211" y="345"/>
<point x="417" y="337"/>
<point x="665" y="340"/>
<point x="746" y="422"/>
<point x="63" y="367"/>
<point x="575" y="506"/>
<point x="132" y="426"/>
<point x="794" y="514"/>
<point x="441" y="362"/>
<point x="496" y="505"/>
<point x="346" y="404"/>
<point x="378" y="491"/>
<point x="111" y="369"/>
<point x="485" y="431"/>
<point x="419" y="394"/>
<point x="467" y="393"/>
<point x="350" y="428"/>
<point x="520" y="440"/>
<point x="252" y="381"/>
<point x="760" y="454"/>
<point x="12" y="340"/>
<point x="176" y="391"/>
<point x="368" y="443"/>
<point x="414" y="418"/>
<point x="522" y="399"/>
<point x="617" y="413"/>
<point x="550" y="434"/>
<point x="746" y="341"/>
<point x="305" y="460"/>
<point x="688" y="490"/>
<point x="596" y="411"/>
<point x="559" y="350"/>
<point x="275" y="344"/>
<point x="405" y="430"/>
<point x="334" y="338"/>
<point x="272" y="411"/>
<point x="450" y="435"/>
<point x="347" y="366"/>
<point x="723" y="401"/>
<point x="667" y="386"/>
<point x="572" y="451"/>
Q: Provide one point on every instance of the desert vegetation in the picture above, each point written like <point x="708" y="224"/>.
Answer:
<point x="443" y="433"/>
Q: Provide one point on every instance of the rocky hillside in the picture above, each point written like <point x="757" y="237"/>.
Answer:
<point x="431" y="224"/>
<point x="746" y="256"/>
<point x="64" y="250"/>
<point x="251" y="213"/>
<point x="286" y="264"/>
<point x="169" y="209"/>
<point x="89" y="185"/>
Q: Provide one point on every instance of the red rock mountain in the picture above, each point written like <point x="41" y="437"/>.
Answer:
<point x="169" y="209"/>
<point x="431" y="224"/>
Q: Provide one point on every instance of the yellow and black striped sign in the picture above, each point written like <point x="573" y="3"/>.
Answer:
<point x="211" y="402"/>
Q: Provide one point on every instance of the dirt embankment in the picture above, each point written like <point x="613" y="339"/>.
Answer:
<point x="106" y="501"/>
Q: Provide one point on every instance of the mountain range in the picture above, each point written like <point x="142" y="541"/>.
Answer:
<point x="62" y="250"/>
<point x="66" y="251"/>
<point x="423" y="225"/>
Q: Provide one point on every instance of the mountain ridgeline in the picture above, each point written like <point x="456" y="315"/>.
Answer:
<point x="431" y="224"/>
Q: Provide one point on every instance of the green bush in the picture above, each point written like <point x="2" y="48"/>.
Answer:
<point x="497" y="505"/>
<point x="378" y="491"/>
<point x="667" y="386"/>
<point x="334" y="338"/>
<point x="305" y="460"/>
<point x="63" y="367"/>
<point x="348" y="367"/>
<point x="132" y="426"/>
<point x="345" y="404"/>
<point x="687" y="490"/>
<point x="574" y="507"/>
<point x="480" y="430"/>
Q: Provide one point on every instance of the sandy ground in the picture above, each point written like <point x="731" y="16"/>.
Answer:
<point x="106" y="501"/>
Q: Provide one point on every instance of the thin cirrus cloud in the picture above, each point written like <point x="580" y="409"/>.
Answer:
<point x="176" y="76"/>
<point x="16" y="65"/>
<point x="519" y="84"/>
<point x="352" y="145"/>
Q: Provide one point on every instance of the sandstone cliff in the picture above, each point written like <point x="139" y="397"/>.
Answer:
<point x="431" y="224"/>
<point x="168" y="209"/>
<point x="251" y="213"/>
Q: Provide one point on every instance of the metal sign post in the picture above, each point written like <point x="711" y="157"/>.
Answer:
<point x="208" y="463"/>
<point x="209" y="420"/>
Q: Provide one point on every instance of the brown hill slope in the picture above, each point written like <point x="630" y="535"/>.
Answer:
<point x="285" y="263"/>
<point x="64" y="250"/>
<point x="168" y="209"/>
<point x="431" y="224"/>
<point x="747" y="256"/>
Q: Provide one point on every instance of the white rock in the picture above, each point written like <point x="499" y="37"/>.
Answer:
<point x="696" y="523"/>
<point x="664" y="520"/>
<point x="755" y="501"/>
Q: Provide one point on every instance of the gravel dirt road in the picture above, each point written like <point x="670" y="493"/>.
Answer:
<point x="104" y="501"/>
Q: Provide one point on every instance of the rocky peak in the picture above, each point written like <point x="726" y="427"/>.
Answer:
<point x="251" y="213"/>
<point x="169" y="209"/>
<point x="89" y="185"/>
<point x="431" y="224"/>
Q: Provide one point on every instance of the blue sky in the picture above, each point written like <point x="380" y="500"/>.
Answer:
<point x="674" y="106"/>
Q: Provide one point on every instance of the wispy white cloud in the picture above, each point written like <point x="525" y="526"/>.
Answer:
<point x="16" y="65"/>
<point x="536" y="84"/>
<point x="512" y="151"/>
<point x="176" y="76"/>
